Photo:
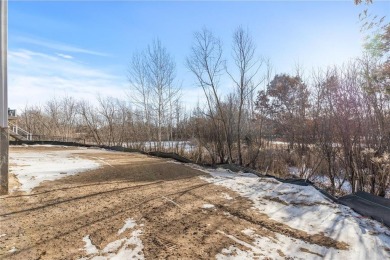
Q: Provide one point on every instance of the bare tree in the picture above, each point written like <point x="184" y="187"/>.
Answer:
<point x="248" y="66"/>
<point x="258" y="117"/>
<point x="34" y="120"/>
<point x="108" y="112"/>
<point x="140" y="90"/>
<point x="207" y="64"/>
<point x="152" y="75"/>
<point x="325" y="85"/>
<point x="91" y="120"/>
<point x="160" y="75"/>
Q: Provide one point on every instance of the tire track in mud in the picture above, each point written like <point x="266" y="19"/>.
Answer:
<point x="123" y="209"/>
<point x="77" y="198"/>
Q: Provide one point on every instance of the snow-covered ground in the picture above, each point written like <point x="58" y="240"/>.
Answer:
<point x="128" y="247"/>
<point x="32" y="168"/>
<point x="302" y="208"/>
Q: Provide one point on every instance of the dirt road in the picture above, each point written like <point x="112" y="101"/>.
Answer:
<point x="179" y="215"/>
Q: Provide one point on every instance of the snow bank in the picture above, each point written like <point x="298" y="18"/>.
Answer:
<point x="126" y="248"/>
<point x="32" y="168"/>
<point x="303" y="208"/>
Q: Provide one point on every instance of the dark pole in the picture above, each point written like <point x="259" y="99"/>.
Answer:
<point x="3" y="99"/>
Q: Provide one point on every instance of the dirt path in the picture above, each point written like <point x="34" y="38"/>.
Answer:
<point x="168" y="201"/>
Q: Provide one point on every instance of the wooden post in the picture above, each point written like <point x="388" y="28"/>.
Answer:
<point x="3" y="99"/>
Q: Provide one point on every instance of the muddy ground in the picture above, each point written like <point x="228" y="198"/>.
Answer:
<point x="166" y="198"/>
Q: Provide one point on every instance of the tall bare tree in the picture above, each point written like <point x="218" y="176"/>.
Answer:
<point x="247" y="66"/>
<point x="140" y="89"/>
<point x="152" y="75"/>
<point x="207" y="64"/>
<point x="161" y="71"/>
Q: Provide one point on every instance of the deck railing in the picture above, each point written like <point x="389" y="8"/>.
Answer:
<point x="19" y="132"/>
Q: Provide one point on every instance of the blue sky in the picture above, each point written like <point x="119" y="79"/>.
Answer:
<point x="83" y="48"/>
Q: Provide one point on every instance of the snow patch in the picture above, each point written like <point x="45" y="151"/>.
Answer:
<point x="89" y="247"/>
<point x="129" y="223"/>
<point x="208" y="206"/>
<point x="125" y="248"/>
<point x="13" y="250"/>
<point x="32" y="168"/>
<point x="249" y="232"/>
<point x="187" y="146"/>
<point x="323" y="180"/>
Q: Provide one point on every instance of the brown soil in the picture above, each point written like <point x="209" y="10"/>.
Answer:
<point x="167" y="198"/>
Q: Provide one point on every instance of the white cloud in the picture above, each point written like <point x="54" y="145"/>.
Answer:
<point x="37" y="77"/>
<point x="58" y="46"/>
<point x="65" y="56"/>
